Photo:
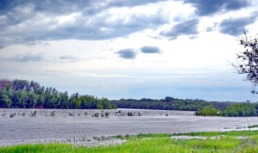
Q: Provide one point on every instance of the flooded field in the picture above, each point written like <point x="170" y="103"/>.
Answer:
<point x="94" y="127"/>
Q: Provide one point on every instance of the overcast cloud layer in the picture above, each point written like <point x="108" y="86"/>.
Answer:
<point x="128" y="48"/>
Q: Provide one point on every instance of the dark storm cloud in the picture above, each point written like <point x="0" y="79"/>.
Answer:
<point x="150" y="49"/>
<point x="236" y="26"/>
<point x="23" y="21"/>
<point x="127" y="53"/>
<point x="27" y="58"/>
<point x="184" y="28"/>
<point x="209" y="7"/>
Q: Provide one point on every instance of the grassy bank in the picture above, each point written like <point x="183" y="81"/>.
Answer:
<point x="224" y="142"/>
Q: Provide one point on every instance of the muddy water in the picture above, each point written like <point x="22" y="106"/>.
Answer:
<point x="79" y="125"/>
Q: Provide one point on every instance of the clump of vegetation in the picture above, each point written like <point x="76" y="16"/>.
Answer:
<point x="95" y="115"/>
<point x="33" y="114"/>
<point x="72" y="113"/>
<point x="120" y="113"/>
<point x="102" y="113"/>
<point x="52" y="113"/>
<point x="130" y="114"/>
<point x="107" y="114"/>
<point x="12" y="115"/>
<point x="208" y="111"/>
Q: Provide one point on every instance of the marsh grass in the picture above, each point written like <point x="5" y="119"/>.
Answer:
<point x="156" y="143"/>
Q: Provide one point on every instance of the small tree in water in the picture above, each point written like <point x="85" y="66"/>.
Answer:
<point x="247" y="62"/>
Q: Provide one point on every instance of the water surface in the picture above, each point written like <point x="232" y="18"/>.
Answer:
<point x="82" y="126"/>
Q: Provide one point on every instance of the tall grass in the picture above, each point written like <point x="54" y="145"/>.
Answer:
<point x="151" y="143"/>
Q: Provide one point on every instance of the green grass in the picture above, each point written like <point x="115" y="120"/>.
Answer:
<point x="227" y="133"/>
<point x="156" y="143"/>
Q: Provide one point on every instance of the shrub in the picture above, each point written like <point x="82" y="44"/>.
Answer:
<point x="208" y="111"/>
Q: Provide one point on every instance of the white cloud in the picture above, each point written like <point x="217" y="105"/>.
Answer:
<point x="75" y="49"/>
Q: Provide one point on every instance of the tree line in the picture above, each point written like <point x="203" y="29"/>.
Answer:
<point x="169" y="103"/>
<point x="202" y="107"/>
<point x="30" y="94"/>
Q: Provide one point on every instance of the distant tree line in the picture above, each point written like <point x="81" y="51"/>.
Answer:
<point x="169" y="103"/>
<point x="202" y="107"/>
<point x="29" y="94"/>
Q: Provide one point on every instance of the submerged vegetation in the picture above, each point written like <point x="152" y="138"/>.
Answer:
<point x="235" y="141"/>
<point x="29" y="94"/>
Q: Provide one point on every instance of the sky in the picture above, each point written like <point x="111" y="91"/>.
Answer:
<point x="129" y="48"/>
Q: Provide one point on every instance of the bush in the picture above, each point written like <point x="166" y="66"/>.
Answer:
<point x="208" y="111"/>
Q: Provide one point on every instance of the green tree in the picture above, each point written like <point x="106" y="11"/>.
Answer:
<point x="5" y="101"/>
<point x="63" y="100"/>
<point x="72" y="100"/>
<point x="20" y="99"/>
<point x="32" y="100"/>
<point x="230" y="111"/>
<point x="40" y="101"/>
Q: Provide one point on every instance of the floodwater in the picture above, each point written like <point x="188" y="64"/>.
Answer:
<point x="18" y="126"/>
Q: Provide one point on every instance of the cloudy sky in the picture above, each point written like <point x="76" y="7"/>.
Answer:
<point x="128" y="48"/>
